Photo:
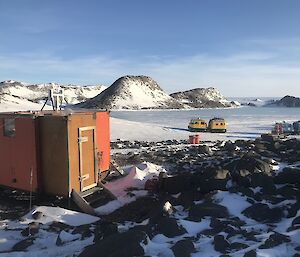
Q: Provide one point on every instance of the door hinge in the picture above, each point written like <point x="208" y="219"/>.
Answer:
<point x="82" y="139"/>
<point x="83" y="177"/>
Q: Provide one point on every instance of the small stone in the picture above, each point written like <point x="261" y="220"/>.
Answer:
<point x="37" y="215"/>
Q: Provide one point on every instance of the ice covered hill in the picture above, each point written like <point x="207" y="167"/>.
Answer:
<point x="22" y="94"/>
<point x="203" y="98"/>
<point x="133" y="92"/>
<point x="287" y="101"/>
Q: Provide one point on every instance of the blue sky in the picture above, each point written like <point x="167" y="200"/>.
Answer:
<point x="242" y="47"/>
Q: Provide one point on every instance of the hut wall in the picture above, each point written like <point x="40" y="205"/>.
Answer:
<point x="103" y="140"/>
<point x="18" y="155"/>
<point x="54" y="155"/>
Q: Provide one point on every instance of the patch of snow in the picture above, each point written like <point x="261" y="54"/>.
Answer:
<point x="159" y="246"/>
<point x="58" y="214"/>
<point x="193" y="228"/>
<point x="233" y="202"/>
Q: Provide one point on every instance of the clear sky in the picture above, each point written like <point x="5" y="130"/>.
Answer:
<point x="242" y="47"/>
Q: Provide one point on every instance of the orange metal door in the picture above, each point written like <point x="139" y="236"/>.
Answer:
<point x="87" y="157"/>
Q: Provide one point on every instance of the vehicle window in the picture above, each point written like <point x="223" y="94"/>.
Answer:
<point x="9" y="128"/>
<point x="202" y="123"/>
<point x="217" y="124"/>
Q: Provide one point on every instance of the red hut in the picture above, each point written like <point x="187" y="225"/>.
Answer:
<point x="54" y="152"/>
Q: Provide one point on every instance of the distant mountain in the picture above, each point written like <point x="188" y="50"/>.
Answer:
<point x="133" y="92"/>
<point x="287" y="101"/>
<point x="14" y="91"/>
<point x="128" y="92"/>
<point x="203" y="98"/>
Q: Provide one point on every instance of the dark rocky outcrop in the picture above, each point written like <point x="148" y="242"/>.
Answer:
<point x="287" y="101"/>
<point x="202" y="98"/>
<point x="126" y="244"/>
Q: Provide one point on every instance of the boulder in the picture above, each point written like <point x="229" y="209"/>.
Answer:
<point x="262" y="213"/>
<point x="209" y="185"/>
<point x="274" y="240"/>
<point x="229" y="146"/>
<point x="56" y="226"/>
<point x="104" y="229"/>
<point x="175" y="184"/>
<point x="221" y="244"/>
<point x="296" y="221"/>
<point x="251" y="253"/>
<point x="32" y="229"/>
<point x="217" y="224"/>
<point x="136" y="211"/>
<point x="259" y="179"/>
<point x="289" y="191"/>
<point x="204" y="149"/>
<point x="183" y="248"/>
<point x="187" y="198"/>
<point x="293" y="209"/>
<point x="222" y="174"/>
<point x="126" y="244"/>
<point x="238" y="246"/>
<point x="23" y="245"/>
<point x="169" y="227"/>
<point x="288" y="175"/>
<point x="199" y="211"/>
<point x="37" y="215"/>
<point x="251" y="162"/>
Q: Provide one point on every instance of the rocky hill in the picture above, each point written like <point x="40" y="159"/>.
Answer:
<point x="203" y="98"/>
<point x="287" y="101"/>
<point x="17" y="92"/>
<point x="128" y="92"/>
<point x="133" y="92"/>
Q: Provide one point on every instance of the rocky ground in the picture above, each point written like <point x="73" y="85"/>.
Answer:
<point x="215" y="199"/>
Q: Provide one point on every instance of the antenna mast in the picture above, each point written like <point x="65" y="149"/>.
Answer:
<point x="56" y="98"/>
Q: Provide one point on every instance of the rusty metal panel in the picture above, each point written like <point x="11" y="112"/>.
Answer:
<point x="103" y="140"/>
<point x="18" y="155"/>
<point x="54" y="155"/>
<point x="75" y="122"/>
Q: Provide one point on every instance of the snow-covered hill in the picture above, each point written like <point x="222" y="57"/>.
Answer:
<point x="128" y="92"/>
<point x="133" y="92"/>
<point x="203" y="98"/>
<point x="287" y="101"/>
<point x="16" y="94"/>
